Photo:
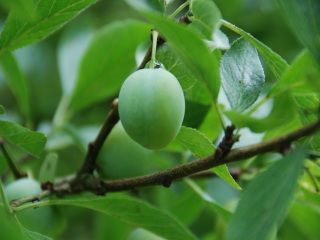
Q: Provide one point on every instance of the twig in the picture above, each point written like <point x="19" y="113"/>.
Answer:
<point x="167" y="176"/>
<point x="17" y="174"/>
<point x="95" y="146"/>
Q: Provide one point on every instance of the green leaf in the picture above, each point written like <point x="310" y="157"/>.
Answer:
<point x="242" y="74"/>
<point x="266" y="199"/>
<point x="109" y="59"/>
<point x="275" y="119"/>
<point x="129" y="210"/>
<point x="207" y="198"/>
<point x="71" y="49"/>
<point x="206" y="16"/>
<point x="21" y="8"/>
<point x="34" y="235"/>
<point x="2" y="111"/>
<point x="47" y="171"/>
<point x="29" y="141"/>
<point x="8" y="227"/>
<point x="302" y="72"/>
<point x="190" y="49"/>
<point x="304" y="20"/>
<point x="47" y="17"/>
<point x="276" y="63"/>
<point x="172" y="63"/>
<point x="201" y="147"/>
<point x="16" y="82"/>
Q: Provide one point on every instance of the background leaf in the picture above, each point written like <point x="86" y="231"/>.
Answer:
<point x="131" y="211"/>
<point x="72" y="46"/>
<point x="304" y="20"/>
<point x="265" y="201"/>
<point x="47" y="17"/>
<point x="16" y="82"/>
<point x="29" y="141"/>
<point x="2" y="111"/>
<point x="206" y="16"/>
<point x="242" y="74"/>
<point x="275" y="119"/>
<point x="201" y="147"/>
<point x="109" y="59"/>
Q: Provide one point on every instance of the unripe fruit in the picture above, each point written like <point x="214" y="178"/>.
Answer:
<point x="151" y="107"/>
<point x="33" y="219"/>
<point x="122" y="157"/>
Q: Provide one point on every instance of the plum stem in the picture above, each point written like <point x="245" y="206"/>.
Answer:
<point x="155" y="35"/>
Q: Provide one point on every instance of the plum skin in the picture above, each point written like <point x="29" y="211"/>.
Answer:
<point x="151" y="107"/>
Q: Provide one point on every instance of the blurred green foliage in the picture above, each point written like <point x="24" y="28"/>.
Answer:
<point x="48" y="74"/>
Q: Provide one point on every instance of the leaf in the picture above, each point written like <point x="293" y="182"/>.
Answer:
<point x="29" y="141"/>
<point x="8" y="226"/>
<point x="201" y="147"/>
<point x="47" y="17"/>
<point x="16" y="82"/>
<point x="34" y="235"/>
<point x="206" y="16"/>
<point x="168" y="58"/>
<point x="220" y="41"/>
<point x="2" y="111"/>
<point x="265" y="201"/>
<point x="276" y="63"/>
<point x="129" y="210"/>
<point x="190" y="49"/>
<point x="242" y="75"/>
<point x="47" y="171"/>
<point x="302" y="72"/>
<point x="71" y="49"/>
<point x="304" y="21"/>
<point x="21" y="8"/>
<point x="206" y="197"/>
<point x="275" y="119"/>
<point x="109" y="59"/>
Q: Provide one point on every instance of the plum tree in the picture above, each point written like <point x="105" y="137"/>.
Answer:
<point x="151" y="107"/>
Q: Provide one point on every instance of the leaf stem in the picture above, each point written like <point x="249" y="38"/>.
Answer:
<point x="179" y="9"/>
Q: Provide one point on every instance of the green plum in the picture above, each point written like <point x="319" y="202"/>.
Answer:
<point x="33" y="219"/>
<point x="122" y="157"/>
<point x="151" y="107"/>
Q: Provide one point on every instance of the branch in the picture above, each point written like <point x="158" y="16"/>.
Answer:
<point x="167" y="176"/>
<point x="95" y="146"/>
<point x="17" y="174"/>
